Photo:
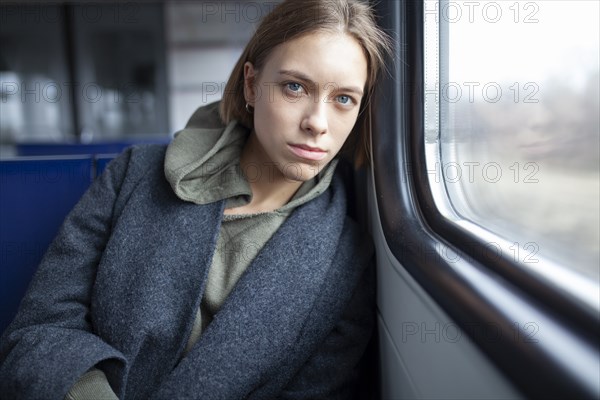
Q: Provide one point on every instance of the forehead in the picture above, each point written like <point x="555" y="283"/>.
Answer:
<point x="324" y="57"/>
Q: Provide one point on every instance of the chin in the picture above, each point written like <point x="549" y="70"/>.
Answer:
<point x="300" y="172"/>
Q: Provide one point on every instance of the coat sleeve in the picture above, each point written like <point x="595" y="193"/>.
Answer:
<point x="331" y="372"/>
<point x="51" y="342"/>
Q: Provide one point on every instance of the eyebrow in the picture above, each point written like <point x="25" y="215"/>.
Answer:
<point x="302" y="76"/>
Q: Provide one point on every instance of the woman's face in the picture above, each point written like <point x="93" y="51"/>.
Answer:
<point x="306" y="100"/>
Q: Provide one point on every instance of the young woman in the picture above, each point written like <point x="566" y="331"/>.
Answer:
<point x="224" y="266"/>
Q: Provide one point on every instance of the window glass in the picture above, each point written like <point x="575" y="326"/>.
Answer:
<point x="519" y="125"/>
<point x="34" y="101"/>
<point x="119" y="54"/>
<point x="86" y="71"/>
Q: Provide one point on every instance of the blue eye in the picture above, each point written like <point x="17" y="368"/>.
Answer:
<point x="344" y="99"/>
<point x="294" y="87"/>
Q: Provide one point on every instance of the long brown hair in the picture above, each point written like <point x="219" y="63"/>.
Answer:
<point x="292" y="19"/>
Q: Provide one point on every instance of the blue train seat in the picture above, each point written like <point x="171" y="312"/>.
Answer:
<point x="50" y="149"/>
<point x="101" y="161"/>
<point x="35" y="196"/>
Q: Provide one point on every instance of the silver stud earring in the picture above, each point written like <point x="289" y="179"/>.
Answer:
<point x="249" y="109"/>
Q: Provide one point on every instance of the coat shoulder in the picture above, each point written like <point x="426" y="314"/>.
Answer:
<point x="134" y="164"/>
<point x="145" y="157"/>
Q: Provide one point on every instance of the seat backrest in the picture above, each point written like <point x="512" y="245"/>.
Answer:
<point x="101" y="161"/>
<point x="36" y="149"/>
<point x="35" y="196"/>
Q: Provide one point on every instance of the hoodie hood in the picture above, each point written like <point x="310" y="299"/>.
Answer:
<point x="202" y="163"/>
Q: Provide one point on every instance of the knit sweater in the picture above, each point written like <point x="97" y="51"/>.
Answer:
<point x="202" y="166"/>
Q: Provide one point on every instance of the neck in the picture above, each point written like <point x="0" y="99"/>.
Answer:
<point x="270" y="188"/>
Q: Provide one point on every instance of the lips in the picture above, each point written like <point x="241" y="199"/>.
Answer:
<point x="308" y="152"/>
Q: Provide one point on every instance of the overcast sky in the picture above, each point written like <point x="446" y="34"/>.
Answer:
<point x="543" y="40"/>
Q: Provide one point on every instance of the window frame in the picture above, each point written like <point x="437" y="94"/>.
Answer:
<point x="470" y="287"/>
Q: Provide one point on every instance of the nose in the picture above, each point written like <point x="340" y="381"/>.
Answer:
<point x="315" y="118"/>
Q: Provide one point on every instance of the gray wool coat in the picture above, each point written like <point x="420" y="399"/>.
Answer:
<point x="120" y="285"/>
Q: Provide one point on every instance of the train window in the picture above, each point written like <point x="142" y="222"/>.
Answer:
<point x="512" y="131"/>
<point x="127" y="97"/>
<point x="59" y="80"/>
<point x="32" y="104"/>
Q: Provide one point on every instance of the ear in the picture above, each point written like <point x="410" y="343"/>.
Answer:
<point x="250" y="90"/>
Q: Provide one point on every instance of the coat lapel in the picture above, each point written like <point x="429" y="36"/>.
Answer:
<point x="264" y="314"/>
<point x="151" y="278"/>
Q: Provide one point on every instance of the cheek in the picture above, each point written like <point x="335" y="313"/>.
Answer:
<point x="345" y="127"/>
<point x="270" y="126"/>
<point x="272" y="120"/>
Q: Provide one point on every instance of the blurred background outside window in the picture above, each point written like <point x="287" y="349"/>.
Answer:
<point x="519" y="126"/>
